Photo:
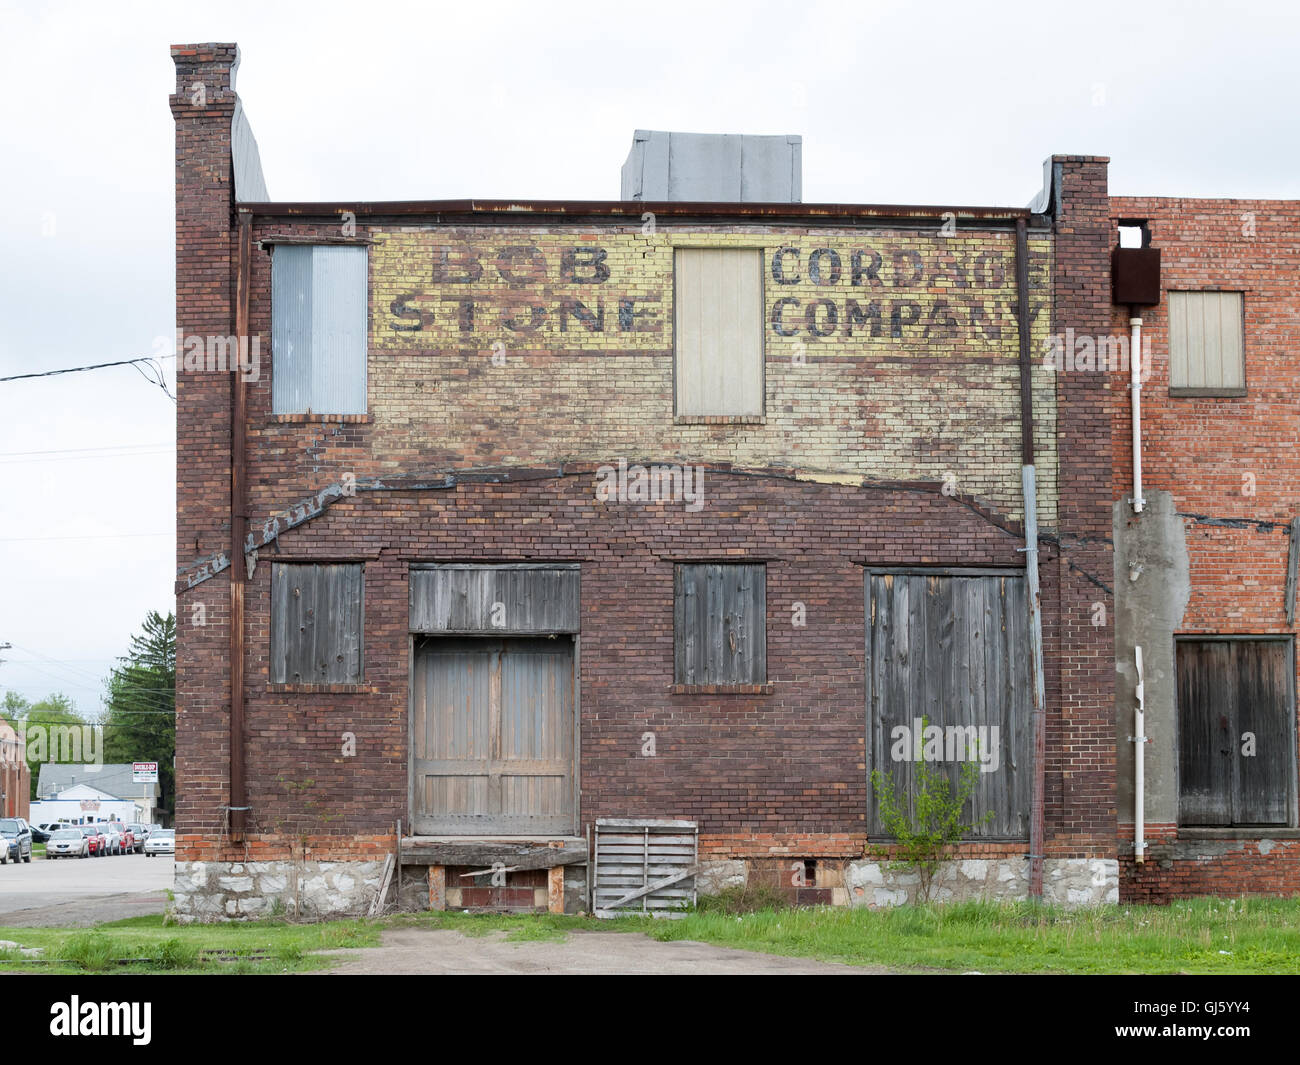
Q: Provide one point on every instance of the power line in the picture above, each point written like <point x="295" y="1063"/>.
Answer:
<point x="154" y="375"/>
<point x="99" y="536"/>
<point x="166" y="444"/>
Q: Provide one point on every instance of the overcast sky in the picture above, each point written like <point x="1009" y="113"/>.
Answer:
<point x="945" y="103"/>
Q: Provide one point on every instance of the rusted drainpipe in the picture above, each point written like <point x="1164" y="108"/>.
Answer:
<point x="238" y="521"/>
<point x="1029" y="489"/>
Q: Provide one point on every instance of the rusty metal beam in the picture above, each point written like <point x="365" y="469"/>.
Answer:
<point x="505" y="210"/>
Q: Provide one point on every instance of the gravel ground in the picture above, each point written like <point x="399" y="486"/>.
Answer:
<point x="77" y="892"/>
<point x="419" y="951"/>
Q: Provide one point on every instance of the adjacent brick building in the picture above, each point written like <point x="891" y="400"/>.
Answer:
<point x="550" y="512"/>
<point x="1205" y="573"/>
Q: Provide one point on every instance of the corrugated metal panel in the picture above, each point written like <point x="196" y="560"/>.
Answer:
<point x="953" y="651"/>
<point x="713" y="167"/>
<point x="1205" y="340"/>
<point x="496" y="599"/>
<point x="632" y="855"/>
<point x="250" y="186"/>
<point x="318" y="329"/>
<point x="316" y="623"/>
<point x="719" y="331"/>
<point x="720" y="623"/>
<point x="1236" y="742"/>
<point x="492" y="731"/>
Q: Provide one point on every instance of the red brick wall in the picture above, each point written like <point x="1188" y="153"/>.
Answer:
<point x="1199" y="449"/>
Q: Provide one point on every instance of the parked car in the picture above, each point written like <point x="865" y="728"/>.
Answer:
<point x="141" y="833"/>
<point x="15" y="839"/>
<point x="67" y="843"/>
<point x="125" y="840"/>
<point x="163" y="841"/>
<point x="114" y="838"/>
<point x="39" y="835"/>
<point x="95" y="839"/>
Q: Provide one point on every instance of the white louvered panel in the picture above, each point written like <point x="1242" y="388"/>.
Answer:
<point x="1206" y="348"/>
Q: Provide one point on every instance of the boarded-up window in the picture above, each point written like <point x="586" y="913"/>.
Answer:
<point x="720" y="622"/>
<point x="948" y="685"/>
<point x="318" y="329"/>
<point x="316" y="623"/>
<point x="1206" y="349"/>
<point x="719" y="331"/>
<point x="517" y="598"/>
<point x="1236" y="739"/>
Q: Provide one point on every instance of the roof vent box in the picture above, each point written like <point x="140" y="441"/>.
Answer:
<point x="713" y="168"/>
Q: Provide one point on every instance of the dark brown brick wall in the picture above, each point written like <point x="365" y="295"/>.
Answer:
<point x="771" y="773"/>
<point x="1081" y="674"/>
<point x="204" y="292"/>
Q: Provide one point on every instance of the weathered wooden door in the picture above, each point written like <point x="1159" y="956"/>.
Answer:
<point x="948" y="684"/>
<point x="492" y="737"/>
<point x="1236" y="742"/>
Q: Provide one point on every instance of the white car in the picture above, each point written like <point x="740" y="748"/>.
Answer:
<point x="162" y="841"/>
<point x="67" y="843"/>
<point x="114" y="838"/>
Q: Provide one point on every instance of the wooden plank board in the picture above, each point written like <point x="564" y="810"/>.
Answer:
<point x="496" y="600"/>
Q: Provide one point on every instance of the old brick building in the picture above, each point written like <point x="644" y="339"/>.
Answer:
<point x="1206" y="569"/>
<point x="549" y="512"/>
<point x="15" y="776"/>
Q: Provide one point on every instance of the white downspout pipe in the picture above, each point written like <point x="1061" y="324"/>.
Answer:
<point x="1135" y="390"/>
<point x="1139" y="776"/>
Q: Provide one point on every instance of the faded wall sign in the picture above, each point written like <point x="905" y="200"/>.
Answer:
<point x="433" y="287"/>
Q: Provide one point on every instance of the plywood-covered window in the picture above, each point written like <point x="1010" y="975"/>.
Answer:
<point x="1236" y="732"/>
<point x="720" y="624"/>
<point x="719" y="331"/>
<point x="1206" y="343"/>
<point x="318" y="329"/>
<point x="316" y="623"/>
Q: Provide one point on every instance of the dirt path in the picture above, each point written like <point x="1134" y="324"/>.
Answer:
<point x="409" y="951"/>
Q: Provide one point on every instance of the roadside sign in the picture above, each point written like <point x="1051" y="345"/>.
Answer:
<point x="144" y="772"/>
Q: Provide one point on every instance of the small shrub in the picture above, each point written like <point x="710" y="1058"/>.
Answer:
<point x="288" y="952"/>
<point x="751" y="897"/>
<point x="176" y="953"/>
<point x="928" y="829"/>
<point x="90" y="951"/>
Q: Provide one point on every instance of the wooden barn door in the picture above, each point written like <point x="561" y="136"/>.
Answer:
<point x="1236" y="742"/>
<point x="492" y="741"/>
<point x="952" y="650"/>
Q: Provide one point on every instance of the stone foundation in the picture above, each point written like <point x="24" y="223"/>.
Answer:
<point x="214" y="891"/>
<point x="1066" y="881"/>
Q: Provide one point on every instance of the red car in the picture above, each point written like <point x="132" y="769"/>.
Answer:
<point x="98" y="842"/>
<point x="125" y="838"/>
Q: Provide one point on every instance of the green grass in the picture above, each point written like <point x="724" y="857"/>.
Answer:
<point x="1198" y="936"/>
<point x="149" y="944"/>
<point x="1253" y="935"/>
